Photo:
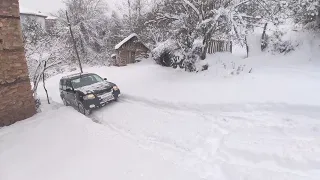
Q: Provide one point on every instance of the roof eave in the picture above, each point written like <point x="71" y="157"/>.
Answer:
<point x="38" y="15"/>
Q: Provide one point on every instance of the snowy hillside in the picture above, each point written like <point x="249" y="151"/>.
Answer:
<point x="224" y="123"/>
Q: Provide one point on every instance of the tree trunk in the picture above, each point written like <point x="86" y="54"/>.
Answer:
<point x="247" y="47"/>
<point x="318" y="17"/>
<point x="43" y="82"/>
<point x="264" y="38"/>
<point x="204" y="51"/>
<point x="205" y="43"/>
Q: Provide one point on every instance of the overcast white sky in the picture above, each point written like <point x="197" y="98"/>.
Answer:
<point x="46" y="6"/>
<point x="51" y="6"/>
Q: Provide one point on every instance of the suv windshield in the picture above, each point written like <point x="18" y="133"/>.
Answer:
<point x="85" y="80"/>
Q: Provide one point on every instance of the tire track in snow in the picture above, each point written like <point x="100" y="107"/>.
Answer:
<point x="170" y="152"/>
<point x="191" y="158"/>
<point x="140" y="140"/>
<point x="305" y="110"/>
<point x="223" y="151"/>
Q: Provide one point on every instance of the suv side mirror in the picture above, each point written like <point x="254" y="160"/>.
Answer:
<point x="105" y="79"/>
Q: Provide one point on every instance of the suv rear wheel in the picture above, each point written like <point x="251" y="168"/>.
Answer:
<point x="83" y="110"/>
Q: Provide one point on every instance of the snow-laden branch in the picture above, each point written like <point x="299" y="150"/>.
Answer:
<point x="194" y="8"/>
<point x="53" y="64"/>
<point x="240" y="3"/>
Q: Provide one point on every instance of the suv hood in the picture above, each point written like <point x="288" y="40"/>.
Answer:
<point x="96" y="88"/>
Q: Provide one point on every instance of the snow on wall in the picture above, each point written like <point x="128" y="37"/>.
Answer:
<point x="125" y="40"/>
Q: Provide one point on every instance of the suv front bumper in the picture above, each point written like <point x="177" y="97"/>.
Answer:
<point x="99" y="101"/>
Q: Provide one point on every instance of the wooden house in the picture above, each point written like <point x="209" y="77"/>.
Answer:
<point x="128" y="50"/>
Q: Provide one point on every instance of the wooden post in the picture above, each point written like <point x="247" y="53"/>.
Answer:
<point x="74" y="42"/>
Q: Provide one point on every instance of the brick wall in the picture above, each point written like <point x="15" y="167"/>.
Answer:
<point x="16" y="101"/>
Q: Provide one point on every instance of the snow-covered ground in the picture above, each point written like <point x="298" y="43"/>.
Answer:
<point x="63" y="144"/>
<point x="225" y="124"/>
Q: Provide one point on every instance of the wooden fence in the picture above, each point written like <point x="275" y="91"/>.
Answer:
<point x="219" y="46"/>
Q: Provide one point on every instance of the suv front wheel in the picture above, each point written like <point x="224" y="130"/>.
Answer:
<point x="65" y="102"/>
<point x="83" y="110"/>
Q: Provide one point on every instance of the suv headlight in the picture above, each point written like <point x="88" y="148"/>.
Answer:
<point x="115" y="88"/>
<point x="89" y="96"/>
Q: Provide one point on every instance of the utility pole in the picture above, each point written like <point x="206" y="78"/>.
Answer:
<point x="74" y="42"/>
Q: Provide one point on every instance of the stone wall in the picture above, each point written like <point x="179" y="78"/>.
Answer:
<point x="16" y="101"/>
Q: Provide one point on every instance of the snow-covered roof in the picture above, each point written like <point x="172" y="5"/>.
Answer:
<point x="125" y="40"/>
<point x="27" y="11"/>
<point x="51" y="18"/>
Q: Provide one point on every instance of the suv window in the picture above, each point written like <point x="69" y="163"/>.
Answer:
<point x="62" y="85"/>
<point x="68" y="85"/>
<point x="85" y="80"/>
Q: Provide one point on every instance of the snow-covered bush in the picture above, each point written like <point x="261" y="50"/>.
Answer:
<point x="278" y="44"/>
<point x="164" y="53"/>
<point x="285" y="47"/>
<point x="192" y="61"/>
<point x="38" y="104"/>
<point x="234" y="69"/>
<point x="170" y="54"/>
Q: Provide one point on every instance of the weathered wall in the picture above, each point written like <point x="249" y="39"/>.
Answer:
<point x="124" y="53"/>
<point x="16" y="101"/>
<point x="141" y="49"/>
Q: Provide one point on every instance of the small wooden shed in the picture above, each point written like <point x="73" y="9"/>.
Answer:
<point x="129" y="49"/>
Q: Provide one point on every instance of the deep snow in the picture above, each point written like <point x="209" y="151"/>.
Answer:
<point x="225" y="123"/>
<point x="63" y="144"/>
<point x="291" y="79"/>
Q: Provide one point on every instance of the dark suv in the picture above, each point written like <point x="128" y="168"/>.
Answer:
<point x="87" y="91"/>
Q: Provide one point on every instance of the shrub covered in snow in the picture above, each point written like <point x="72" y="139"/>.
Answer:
<point x="279" y="43"/>
<point x="232" y="68"/>
<point x="170" y="54"/>
<point x="38" y="104"/>
<point x="163" y="54"/>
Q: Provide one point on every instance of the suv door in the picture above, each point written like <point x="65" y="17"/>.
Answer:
<point x="62" y="88"/>
<point x="70" y="94"/>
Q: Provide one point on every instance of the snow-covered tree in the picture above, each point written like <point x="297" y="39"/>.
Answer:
<point x="34" y="36"/>
<point x="115" y="26"/>
<point x="194" y="21"/>
<point x="306" y="12"/>
<point x="89" y="23"/>
<point x="43" y="51"/>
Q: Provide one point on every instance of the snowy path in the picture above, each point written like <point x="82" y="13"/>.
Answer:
<point x="227" y="141"/>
